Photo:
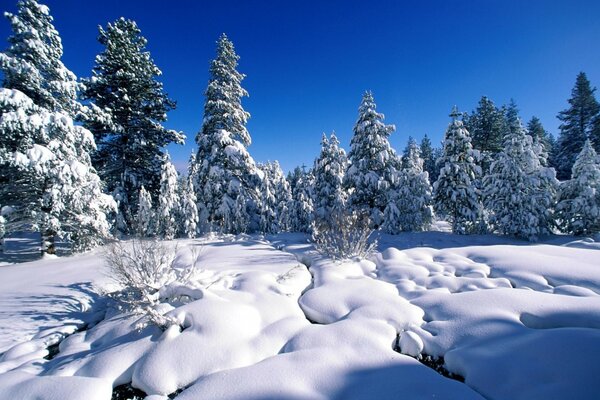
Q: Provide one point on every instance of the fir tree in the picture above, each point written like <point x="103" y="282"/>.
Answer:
<point x="168" y="201"/>
<point x="410" y="202"/>
<point x="372" y="162"/>
<point x="46" y="179"/>
<point x="512" y="121"/>
<point x="145" y="215"/>
<point x="329" y="168"/>
<point x="429" y="157"/>
<point x="188" y="208"/>
<point x="227" y="177"/>
<point x="456" y="195"/>
<point x="577" y="124"/>
<point x="275" y="199"/>
<point x="130" y="148"/>
<point x="486" y="125"/>
<point x="519" y="191"/>
<point x="302" y="206"/>
<point x="543" y="142"/>
<point x="579" y="202"/>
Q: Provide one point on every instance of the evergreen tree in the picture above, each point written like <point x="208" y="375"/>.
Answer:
<point x="47" y="183"/>
<point x="429" y="157"/>
<point x="372" y="162"/>
<point x="188" y="208"/>
<point x="512" y="121"/>
<point x="542" y="141"/>
<point x="145" y="215"/>
<point x="168" y="201"/>
<point x="579" y="200"/>
<point x="275" y="199"/>
<point x="577" y="124"/>
<point x="130" y="148"/>
<point x="486" y="125"/>
<point x="301" y="208"/>
<point x="409" y="206"/>
<point x="329" y="169"/>
<point x="227" y="177"/>
<point x="519" y="191"/>
<point x="456" y="195"/>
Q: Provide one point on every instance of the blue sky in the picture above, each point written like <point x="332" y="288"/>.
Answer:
<point x="308" y="62"/>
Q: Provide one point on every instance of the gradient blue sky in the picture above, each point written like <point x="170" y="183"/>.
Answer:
<point x="308" y="62"/>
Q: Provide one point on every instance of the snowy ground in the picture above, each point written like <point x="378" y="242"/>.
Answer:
<point x="275" y="320"/>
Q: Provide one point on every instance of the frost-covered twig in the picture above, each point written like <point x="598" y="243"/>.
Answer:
<point x="344" y="235"/>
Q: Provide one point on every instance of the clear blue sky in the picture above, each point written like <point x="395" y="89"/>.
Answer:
<point x="308" y="62"/>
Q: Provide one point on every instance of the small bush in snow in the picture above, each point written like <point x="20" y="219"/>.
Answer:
<point x="146" y="271"/>
<point x="344" y="235"/>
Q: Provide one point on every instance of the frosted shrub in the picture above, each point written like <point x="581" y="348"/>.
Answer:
<point x="344" y="235"/>
<point x="146" y="271"/>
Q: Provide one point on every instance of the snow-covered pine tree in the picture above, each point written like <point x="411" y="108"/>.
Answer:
<point x="412" y="200"/>
<point x="577" y="124"/>
<point x="227" y="178"/>
<point x="519" y="192"/>
<point x="486" y="125"/>
<point x="429" y="156"/>
<point x="168" y="201"/>
<point x="268" y="202"/>
<point x="130" y="149"/>
<point x="283" y="196"/>
<point x="275" y="199"/>
<point x="45" y="172"/>
<point x="302" y="207"/>
<point x="372" y="162"/>
<point x="188" y="208"/>
<point x="329" y="169"/>
<point x="455" y="192"/>
<point x="543" y="142"/>
<point x="578" y="209"/>
<point x="145" y="218"/>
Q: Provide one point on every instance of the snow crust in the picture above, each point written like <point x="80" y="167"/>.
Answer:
<point x="275" y="319"/>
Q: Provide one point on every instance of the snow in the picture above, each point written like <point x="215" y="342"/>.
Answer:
<point x="272" y="318"/>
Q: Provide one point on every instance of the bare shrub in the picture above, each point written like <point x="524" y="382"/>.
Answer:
<point x="344" y="235"/>
<point x="145" y="268"/>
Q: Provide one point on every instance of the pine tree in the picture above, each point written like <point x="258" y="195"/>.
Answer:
<point x="145" y="219"/>
<point x="456" y="195"/>
<point x="275" y="201"/>
<point x="130" y="148"/>
<point x="227" y="178"/>
<point x="328" y="170"/>
<point x="188" y="208"/>
<point x="168" y="201"/>
<point x="579" y="199"/>
<point x="46" y="179"/>
<point x="512" y="121"/>
<point x="302" y="206"/>
<point x="372" y="162"/>
<point x="429" y="157"/>
<point x="519" y="191"/>
<point x="410" y="206"/>
<point x="542" y="141"/>
<point x="577" y="124"/>
<point x="486" y="125"/>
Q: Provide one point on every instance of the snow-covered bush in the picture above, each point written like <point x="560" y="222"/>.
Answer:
<point x="345" y="234"/>
<point x="146" y="270"/>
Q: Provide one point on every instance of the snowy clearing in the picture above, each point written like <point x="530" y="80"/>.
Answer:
<point x="275" y="319"/>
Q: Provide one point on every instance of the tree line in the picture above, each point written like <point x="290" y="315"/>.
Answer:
<point x="84" y="159"/>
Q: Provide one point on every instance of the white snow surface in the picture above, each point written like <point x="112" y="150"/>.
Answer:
<point x="273" y="319"/>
